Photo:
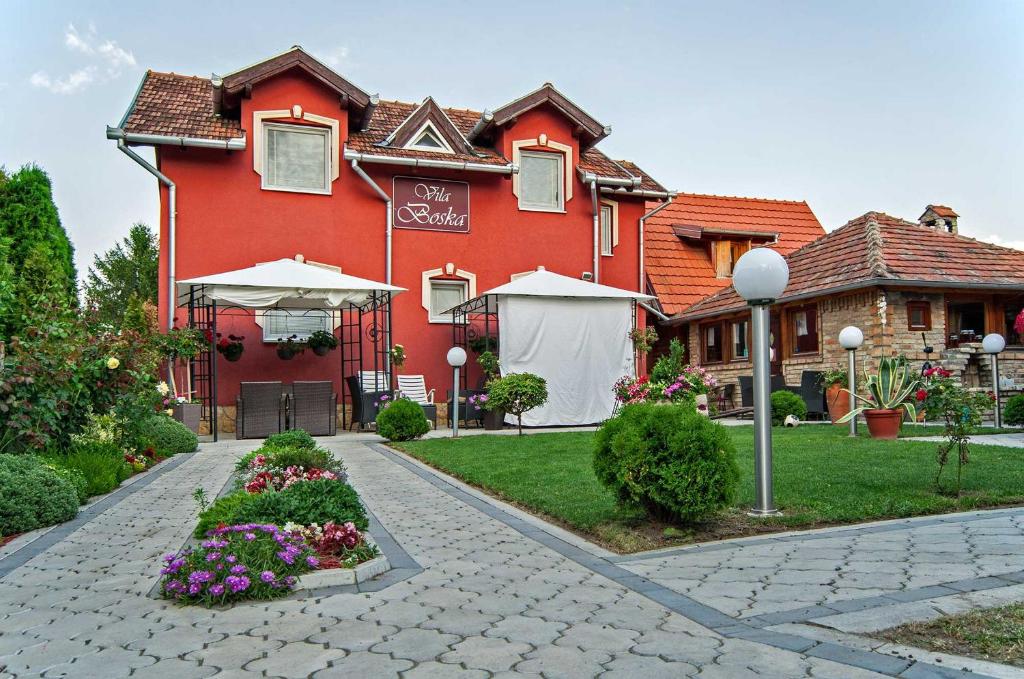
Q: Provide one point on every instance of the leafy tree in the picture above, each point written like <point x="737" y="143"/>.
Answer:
<point x="125" y="272"/>
<point x="36" y="256"/>
<point x="516" y="393"/>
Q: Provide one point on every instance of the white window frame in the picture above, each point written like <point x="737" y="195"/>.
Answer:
<point x="300" y="129"/>
<point x="446" y="283"/>
<point x="559" y="182"/>
<point x="424" y="128"/>
<point x="269" y="337"/>
<point x="607" y="229"/>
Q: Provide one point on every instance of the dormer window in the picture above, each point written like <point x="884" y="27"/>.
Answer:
<point x="427" y="138"/>
<point x="297" y="158"/>
<point x="725" y="254"/>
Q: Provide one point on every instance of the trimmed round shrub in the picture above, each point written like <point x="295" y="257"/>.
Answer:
<point x="305" y="502"/>
<point x="403" y="420"/>
<point x="76" y="478"/>
<point x="32" y="495"/>
<point x="785" y="403"/>
<point x="1013" y="414"/>
<point x="169" y="436"/>
<point x="667" y="459"/>
<point x="293" y="438"/>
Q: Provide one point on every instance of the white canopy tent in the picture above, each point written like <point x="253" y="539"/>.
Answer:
<point x="362" y="306"/>
<point x="572" y="333"/>
<point x="284" y="283"/>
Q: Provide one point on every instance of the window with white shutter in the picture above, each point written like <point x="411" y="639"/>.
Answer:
<point x="540" y="181"/>
<point x="280" y="324"/>
<point x="445" y="294"/>
<point x="297" y="158"/>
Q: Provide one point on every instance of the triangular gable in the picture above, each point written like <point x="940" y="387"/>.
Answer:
<point x="429" y="120"/>
<point x="588" y="128"/>
<point x="240" y="82"/>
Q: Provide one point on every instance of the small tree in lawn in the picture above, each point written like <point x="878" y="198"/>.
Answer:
<point x="516" y="394"/>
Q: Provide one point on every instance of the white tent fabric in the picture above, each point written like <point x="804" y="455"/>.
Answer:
<point x="572" y="333"/>
<point x="285" y="283"/>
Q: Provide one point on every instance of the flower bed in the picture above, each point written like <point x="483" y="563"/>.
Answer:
<point x="288" y="492"/>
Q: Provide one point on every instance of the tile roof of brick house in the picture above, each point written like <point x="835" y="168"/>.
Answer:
<point x="680" y="270"/>
<point x="878" y="249"/>
<point x="196" y="108"/>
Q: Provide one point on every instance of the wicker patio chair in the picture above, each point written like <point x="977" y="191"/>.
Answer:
<point x="811" y="392"/>
<point x="260" y="410"/>
<point x="314" y="408"/>
<point x="414" y="388"/>
<point x="364" y="403"/>
<point x="465" y="415"/>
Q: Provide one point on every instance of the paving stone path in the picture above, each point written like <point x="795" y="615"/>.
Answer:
<point x="491" y="596"/>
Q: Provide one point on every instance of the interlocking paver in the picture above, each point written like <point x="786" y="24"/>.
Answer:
<point x="489" y="602"/>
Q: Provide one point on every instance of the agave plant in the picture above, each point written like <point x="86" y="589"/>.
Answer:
<point x="891" y="388"/>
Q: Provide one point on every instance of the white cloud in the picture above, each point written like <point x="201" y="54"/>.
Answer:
<point x="106" y="54"/>
<point x="335" y="57"/>
<point x="999" y="240"/>
<point x="71" y="83"/>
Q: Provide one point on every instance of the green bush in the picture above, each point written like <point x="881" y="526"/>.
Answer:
<point x="517" y="393"/>
<point x="74" y="476"/>
<point x="786" y="403"/>
<point x="33" y="495"/>
<point x="294" y="438"/>
<point x="1013" y="415"/>
<point x="170" y="437"/>
<point x="304" y="503"/>
<point x="283" y="456"/>
<point x="101" y="463"/>
<point x="669" y="460"/>
<point x="403" y="420"/>
<point x="669" y="366"/>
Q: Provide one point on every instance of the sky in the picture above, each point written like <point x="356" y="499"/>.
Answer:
<point x="851" y="106"/>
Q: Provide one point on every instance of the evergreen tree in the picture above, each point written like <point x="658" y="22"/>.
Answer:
<point x="36" y="256"/>
<point x="125" y="272"/>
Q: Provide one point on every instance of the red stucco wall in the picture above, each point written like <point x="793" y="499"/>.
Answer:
<point x="226" y="221"/>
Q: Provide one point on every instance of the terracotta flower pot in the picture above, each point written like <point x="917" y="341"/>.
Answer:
<point x="838" y="400"/>
<point x="884" y="424"/>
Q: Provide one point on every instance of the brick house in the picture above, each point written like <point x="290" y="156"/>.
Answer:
<point x="907" y="285"/>
<point x="692" y="243"/>
<point x="287" y="157"/>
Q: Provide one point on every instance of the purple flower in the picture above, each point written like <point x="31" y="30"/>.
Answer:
<point x="216" y="590"/>
<point x="198" y="577"/>
<point x="237" y="583"/>
<point x="231" y="558"/>
<point x="249" y="537"/>
<point x="268" y="576"/>
<point x="238" y="569"/>
<point x="286" y="557"/>
<point x="212" y="556"/>
<point x="312" y="561"/>
<point x="195" y="588"/>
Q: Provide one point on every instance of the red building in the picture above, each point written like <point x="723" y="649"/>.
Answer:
<point x="287" y="158"/>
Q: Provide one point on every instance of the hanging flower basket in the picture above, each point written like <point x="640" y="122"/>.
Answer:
<point x="289" y="348"/>
<point x="322" y="342"/>
<point x="231" y="347"/>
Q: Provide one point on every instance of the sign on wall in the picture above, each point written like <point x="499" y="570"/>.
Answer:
<point x="431" y="204"/>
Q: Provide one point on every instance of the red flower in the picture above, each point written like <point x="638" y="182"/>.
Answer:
<point x="922" y="394"/>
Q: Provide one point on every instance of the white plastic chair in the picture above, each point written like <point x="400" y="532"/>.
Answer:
<point x="414" y="388"/>
<point x="373" y="381"/>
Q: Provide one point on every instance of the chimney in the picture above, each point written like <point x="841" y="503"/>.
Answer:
<point x="940" y="217"/>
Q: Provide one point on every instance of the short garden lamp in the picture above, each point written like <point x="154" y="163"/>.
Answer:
<point x="993" y="344"/>
<point x="760" y="277"/>
<point x="850" y="338"/>
<point x="456" y="359"/>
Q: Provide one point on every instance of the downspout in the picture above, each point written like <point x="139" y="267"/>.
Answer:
<point x="388" y="218"/>
<point x="597" y="228"/>
<point x="171" y="224"/>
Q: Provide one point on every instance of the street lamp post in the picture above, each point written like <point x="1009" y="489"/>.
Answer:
<point x="456" y="359"/>
<point x="850" y="338"/>
<point x="760" y="276"/>
<point x="992" y="344"/>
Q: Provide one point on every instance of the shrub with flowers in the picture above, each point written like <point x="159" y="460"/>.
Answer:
<point x="338" y="545"/>
<point x="245" y="561"/>
<point x="270" y="470"/>
<point x="684" y="387"/>
<point x="960" y="410"/>
<point x="478" y="401"/>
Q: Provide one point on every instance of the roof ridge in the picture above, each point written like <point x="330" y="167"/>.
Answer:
<point x="751" y="198"/>
<point x="150" y="71"/>
<point x="876" y="260"/>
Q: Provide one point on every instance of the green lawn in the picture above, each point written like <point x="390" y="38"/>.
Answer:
<point x="821" y="477"/>
<point x="996" y="635"/>
<point x="914" y="430"/>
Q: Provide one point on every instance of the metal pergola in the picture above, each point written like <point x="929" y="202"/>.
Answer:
<point x="473" y="319"/>
<point x="364" y="333"/>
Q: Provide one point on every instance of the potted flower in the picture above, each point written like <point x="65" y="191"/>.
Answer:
<point x="398" y="355"/>
<point x="494" y="419"/>
<point x="322" y="342"/>
<point x="230" y="347"/>
<point x="188" y="412"/>
<point x="891" y="393"/>
<point x="835" y="383"/>
<point x="288" y="348"/>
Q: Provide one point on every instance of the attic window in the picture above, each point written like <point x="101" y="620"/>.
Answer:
<point x="429" y="139"/>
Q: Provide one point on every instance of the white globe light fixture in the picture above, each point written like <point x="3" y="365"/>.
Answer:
<point x="992" y="345"/>
<point x="760" y="277"/>
<point x="851" y="338"/>
<point x="456" y="359"/>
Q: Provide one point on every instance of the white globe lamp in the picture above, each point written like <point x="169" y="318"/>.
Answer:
<point x="456" y="359"/>
<point x="760" y="275"/>
<point x="993" y="344"/>
<point x="851" y="338"/>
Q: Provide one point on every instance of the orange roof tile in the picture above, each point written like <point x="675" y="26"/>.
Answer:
<point x="875" y="249"/>
<point x="681" y="272"/>
<point x="178" y="106"/>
